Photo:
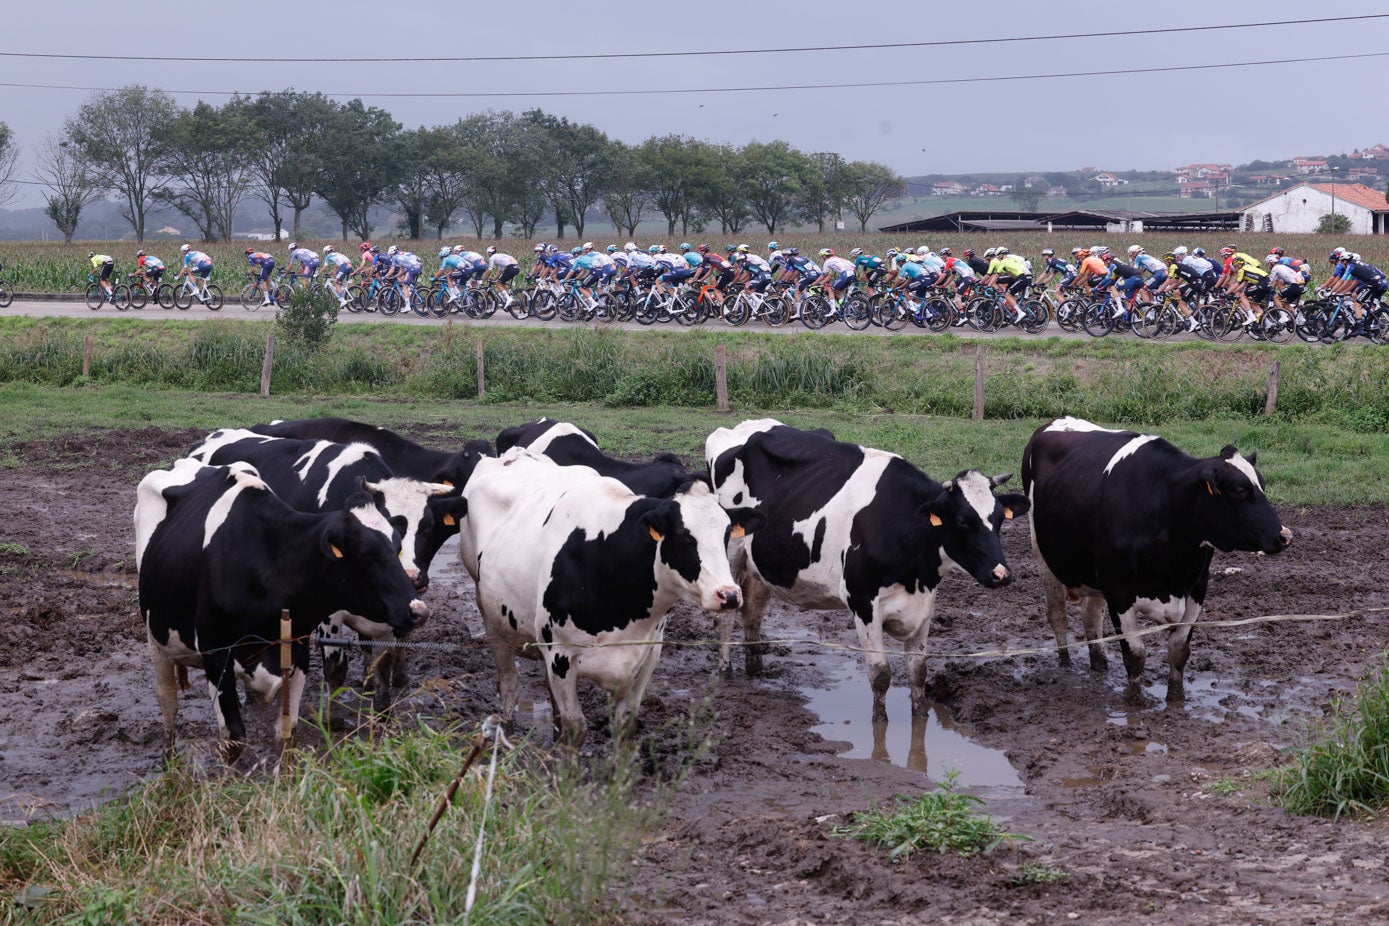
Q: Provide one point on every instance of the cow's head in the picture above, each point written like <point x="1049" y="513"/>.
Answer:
<point x="446" y="509"/>
<point x="1232" y="511"/>
<point x="964" y="520"/>
<point x="407" y="506"/>
<point x="692" y="532"/>
<point x="364" y="566"/>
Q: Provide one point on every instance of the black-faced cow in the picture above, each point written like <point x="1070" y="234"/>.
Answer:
<point x="857" y="528"/>
<point x="573" y="568"/>
<point x="219" y="556"/>
<point x="321" y="475"/>
<point x="1128" y="522"/>
<point x="571" y="445"/>
<point x="406" y="459"/>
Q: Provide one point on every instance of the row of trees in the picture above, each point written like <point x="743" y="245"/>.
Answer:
<point x="488" y="170"/>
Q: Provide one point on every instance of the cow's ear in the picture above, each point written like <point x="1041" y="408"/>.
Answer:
<point x="1014" y="505"/>
<point x="656" y="523"/>
<point x="934" y="511"/>
<point x="331" y="543"/>
<point x="746" y="520"/>
<point x="449" y="510"/>
<point x="1210" y="478"/>
<point x="1253" y="458"/>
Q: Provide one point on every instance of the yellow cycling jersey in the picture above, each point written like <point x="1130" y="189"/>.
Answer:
<point x="1248" y="273"/>
<point x="1010" y="265"/>
<point x="1249" y="260"/>
<point x="99" y="259"/>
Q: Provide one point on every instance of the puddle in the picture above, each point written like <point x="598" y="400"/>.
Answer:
<point x="933" y="744"/>
<point x="1209" y="698"/>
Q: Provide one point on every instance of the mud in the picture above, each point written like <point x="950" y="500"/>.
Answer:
<point x="1117" y="797"/>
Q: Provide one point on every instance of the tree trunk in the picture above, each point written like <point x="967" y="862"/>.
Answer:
<point x="496" y="227"/>
<point x="345" y="236"/>
<point x="299" y="211"/>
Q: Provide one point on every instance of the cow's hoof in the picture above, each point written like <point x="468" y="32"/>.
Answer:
<point x="1133" y="693"/>
<point x="1099" y="664"/>
<point x="230" y="750"/>
<point x="1064" y="655"/>
<point x="880" y="713"/>
<point x="726" y="672"/>
<point x="754" y="668"/>
<point x="1176" y="693"/>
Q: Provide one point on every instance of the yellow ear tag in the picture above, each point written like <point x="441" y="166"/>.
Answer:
<point x="446" y="483"/>
<point x="737" y="531"/>
<point x="936" y="521"/>
<point x="336" y="551"/>
<point x="655" y="534"/>
<point x="1210" y="489"/>
<point x="1008" y="513"/>
<point x="450" y="520"/>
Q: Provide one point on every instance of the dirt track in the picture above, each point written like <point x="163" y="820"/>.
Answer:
<point x="1117" y="798"/>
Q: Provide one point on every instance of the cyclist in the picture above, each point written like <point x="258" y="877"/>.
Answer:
<point x="775" y="259"/>
<point x="869" y="268"/>
<point x="1208" y="269"/>
<point x="1013" y="273"/>
<point x="406" y="268"/>
<point x="1147" y="263"/>
<point x="1126" y="278"/>
<point x="474" y="264"/>
<point x="558" y="263"/>
<point x="1288" y="284"/>
<point x="148" y="268"/>
<point x="1054" y="268"/>
<point x="965" y="279"/>
<point x="1185" y="282"/>
<point x="596" y="268"/>
<point x="305" y="258"/>
<point x="1367" y="282"/>
<point x="755" y="272"/>
<point x="1228" y="275"/>
<point x="102" y="265"/>
<point x="199" y="265"/>
<point x="803" y="271"/>
<point x="1250" y="283"/>
<point x="1092" y="269"/>
<point x="265" y="264"/>
<point x="978" y="263"/>
<point x="502" y="268"/>
<point x="669" y="268"/>
<point x="619" y="257"/>
<point x="912" y="275"/>
<point x="368" y="256"/>
<point x="714" y="265"/>
<point x="450" y="269"/>
<point x="837" y="273"/>
<point x="341" y="266"/>
<point x="640" y="264"/>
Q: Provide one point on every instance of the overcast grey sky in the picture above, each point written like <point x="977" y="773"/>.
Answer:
<point x="1114" y="122"/>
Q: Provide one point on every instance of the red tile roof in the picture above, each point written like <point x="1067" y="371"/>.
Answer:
<point x="1356" y="193"/>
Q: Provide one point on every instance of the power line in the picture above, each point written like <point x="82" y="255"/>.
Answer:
<point x="687" y="90"/>
<point x="701" y="53"/>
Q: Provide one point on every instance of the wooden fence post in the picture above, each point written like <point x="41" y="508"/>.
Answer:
<point x="269" y="364"/>
<point x="481" y="375"/>
<point x="979" y="382"/>
<point x="1272" y="403"/>
<point x="721" y="377"/>
<point x="286" y="664"/>
<point x="87" y="357"/>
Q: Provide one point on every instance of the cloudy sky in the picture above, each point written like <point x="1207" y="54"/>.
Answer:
<point x="1113" y="121"/>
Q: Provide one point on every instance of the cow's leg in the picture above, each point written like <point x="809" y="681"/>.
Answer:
<point x="400" y="669"/>
<point x="508" y="683"/>
<point x="564" y="695"/>
<point x="334" y="670"/>
<point x="1092" y="617"/>
<point x="380" y="667"/>
<point x="226" y="705"/>
<point x="1126" y="623"/>
<point x="915" y="648"/>
<point x="1179" y="650"/>
<point x="756" y="594"/>
<point x="625" y="713"/>
<point x="870" y="639"/>
<point x="166" y="691"/>
<point x="1055" y="595"/>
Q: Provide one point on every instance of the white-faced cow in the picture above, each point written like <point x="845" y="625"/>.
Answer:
<point x="219" y="556"/>
<point x="574" y="561"/>
<point x="570" y="445"/>
<point x="1129" y="522"/>
<point x="857" y="528"/>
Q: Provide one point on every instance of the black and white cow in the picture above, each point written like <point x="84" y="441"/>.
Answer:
<point x="321" y="475"/>
<point x="219" y="556"/>
<point x="1129" y="522"/>
<point x="574" y="561"/>
<point x="406" y="459"/>
<point x="571" y="445"/>
<point x="857" y="528"/>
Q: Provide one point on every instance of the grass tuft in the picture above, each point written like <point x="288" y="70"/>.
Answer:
<point x="941" y="821"/>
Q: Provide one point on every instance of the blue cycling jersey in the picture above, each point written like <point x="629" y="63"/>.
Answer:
<point x="560" y="261"/>
<point x="1057" y="265"/>
<point x="868" y="262"/>
<point x="694" y="259"/>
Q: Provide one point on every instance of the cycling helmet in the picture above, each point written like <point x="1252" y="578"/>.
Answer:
<point x="827" y="252"/>
<point x="1237" y="262"/>
<point x="923" y="250"/>
<point x="856" y="252"/>
<point x="629" y="246"/>
<point x="731" y="249"/>
<point x="742" y="249"/>
<point x="891" y="253"/>
<point x="1169" y="257"/>
<point x="1075" y="252"/>
<point x="1353" y="258"/>
<point x="660" y="249"/>
<point x="944" y="252"/>
<point x="183" y="249"/>
<point x="1335" y="255"/>
<point x="445" y="251"/>
<point x="704" y="249"/>
<point x="793" y="251"/>
<point x="376" y="249"/>
<point x="912" y="258"/>
<point x="654" y="249"/>
<point x="1135" y="250"/>
<point x="1046" y="252"/>
<point x="393" y="250"/>
<point x="773" y="246"/>
<point x="1000" y="252"/>
<point x="1199" y="252"/>
<point x="491" y="249"/>
<point x="611" y="249"/>
<point x="739" y="257"/>
<point x="328" y="249"/>
<point x="1081" y="252"/>
<point x="684" y="246"/>
<point x="1227" y="251"/>
<point x="575" y="251"/>
<point x="91" y="254"/>
<point x="539" y="249"/>
<point x="249" y="251"/>
<point x="989" y="252"/>
<point x="293" y="245"/>
<point x="1279" y="251"/>
<point x="139" y="253"/>
<point x="1107" y="257"/>
<point x="969" y="252"/>
<point x="1099" y="250"/>
<point x="588" y="245"/>
<point x="364" y="246"/>
<point x="457" y="249"/>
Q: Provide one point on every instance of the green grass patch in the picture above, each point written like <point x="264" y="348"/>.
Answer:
<point x="944" y="820"/>
<point x="1346" y="771"/>
<point x="14" y="549"/>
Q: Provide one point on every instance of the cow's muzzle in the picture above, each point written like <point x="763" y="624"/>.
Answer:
<point x="729" y="599"/>
<point x="419" y="616"/>
<point x="1001" y="575"/>
<point x="1286" y="536"/>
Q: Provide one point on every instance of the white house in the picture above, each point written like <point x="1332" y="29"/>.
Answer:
<point x="1299" y="208"/>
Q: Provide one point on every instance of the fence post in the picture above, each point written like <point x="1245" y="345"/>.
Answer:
<point x="269" y="364"/>
<point x="87" y="357"/>
<point x="721" y="377"/>
<point x="286" y="662"/>
<point x="481" y="375"/>
<point x="979" y="382"/>
<point x="1272" y="403"/>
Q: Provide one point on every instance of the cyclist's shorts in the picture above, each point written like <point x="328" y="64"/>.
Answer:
<point x="410" y="277"/>
<point x="1292" y="292"/>
<point x="1157" y="280"/>
<point x="842" y="282"/>
<point x="1258" y="292"/>
<point x="677" y="276"/>
<point x="509" y="273"/>
<point x="1376" y="289"/>
<point x="595" y="277"/>
<point x="760" y="282"/>
<point x="266" y="269"/>
<point x="1020" y="285"/>
<point x="1067" y="280"/>
<point x="310" y="267"/>
<point x="106" y="269"/>
<point x="464" y="274"/>
<point x="204" y="269"/>
<point x="154" y="273"/>
<point x="344" y="271"/>
<point x="1129" y="285"/>
<point x="725" y="278"/>
<point x="874" y="274"/>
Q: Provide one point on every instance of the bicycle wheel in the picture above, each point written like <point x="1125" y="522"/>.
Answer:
<point x="1169" y="322"/>
<point x="6" y="294"/>
<point x="214" y="298"/>
<point x="892" y="314"/>
<point x="120" y="297"/>
<point x="420" y="302"/>
<point x="1036" y="316"/>
<point x="1227" y="323"/>
<point x="388" y="303"/>
<point x="939" y="313"/>
<point x="605" y="308"/>
<point x="138" y="296"/>
<point x="544" y="306"/>
<point x="1098" y="320"/>
<point x="1277" y="325"/>
<point x="520" y="305"/>
<point x="980" y="314"/>
<point x="1308" y="321"/>
<point x="356" y="301"/>
<point x="567" y="307"/>
<point x="857" y="314"/>
<point x="95" y="296"/>
<point x="1069" y="314"/>
<point x="814" y="311"/>
<point x="738" y="312"/>
<point x="183" y="298"/>
<point x="685" y="310"/>
<point x="164" y="296"/>
<point x="776" y="311"/>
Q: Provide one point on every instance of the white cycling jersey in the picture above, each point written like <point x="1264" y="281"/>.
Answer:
<point x="502" y="260"/>
<point x="837" y="264"/>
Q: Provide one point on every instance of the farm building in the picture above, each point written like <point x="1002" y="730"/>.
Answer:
<point x="1298" y="209"/>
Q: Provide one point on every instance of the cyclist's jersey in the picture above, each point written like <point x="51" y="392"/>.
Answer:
<point x="715" y="260"/>
<point x="1249" y="274"/>
<point x="640" y="260"/>
<point x="837" y="264"/>
<point x="912" y="270"/>
<point x="757" y="265"/>
<point x="1093" y="266"/>
<point x="368" y="260"/>
<point x="337" y="259"/>
<point x="99" y="259"/>
<point x="409" y="262"/>
<point x="1009" y="265"/>
<point x="621" y="259"/>
<point x="977" y="264"/>
<point x="1189" y="269"/>
<point x="1122" y="271"/>
<point x="259" y="259"/>
<point x="868" y="262"/>
<point x="587" y="261"/>
<point x="451" y="263"/>
<point x="603" y="262"/>
<point x="1201" y="265"/>
<point x="809" y="268"/>
<point x="195" y="258"/>
<point x="502" y="260"/>
<point x="693" y="259"/>
<point x="560" y="263"/>
<point x="150" y="262"/>
<point x="958" y="267"/>
<point x="933" y="261"/>
<point x="473" y="258"/>
<point x="1149" y="263"/>
<point x="775" y="258"/>
<point x="1365" y="273"/>
<point x="667" y="262"/>
<point x="305" y="257"/>
<point x="1285" y="274"/>
<point x="1059" y="266"/>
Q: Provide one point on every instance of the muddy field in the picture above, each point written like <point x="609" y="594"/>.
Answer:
<point x="1120" y="799"/>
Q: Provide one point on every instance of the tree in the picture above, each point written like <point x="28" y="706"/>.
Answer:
<point x="115" y="133"/>
<point x="823" y="196"/>
<point x="443" y="167"/>
<point x="774" y="174"/>
<point x="628" y="189"/>
<point x="1027" y="198"/>
<point x="573" y="179"/>
<point x="681" y="171"/>
<point x="493" y="167"/>
<point x="868" y="187"/>
<point x="724" y="198"/>
<point x="408" y="186"/>
<point x="1338" y="224"/>
<point x="9" y="164"/>
<point x="207" y="173"/>
<point x="71" y="185"/>
<point x="284" y="149"/>
<point x="359" y="163"/>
